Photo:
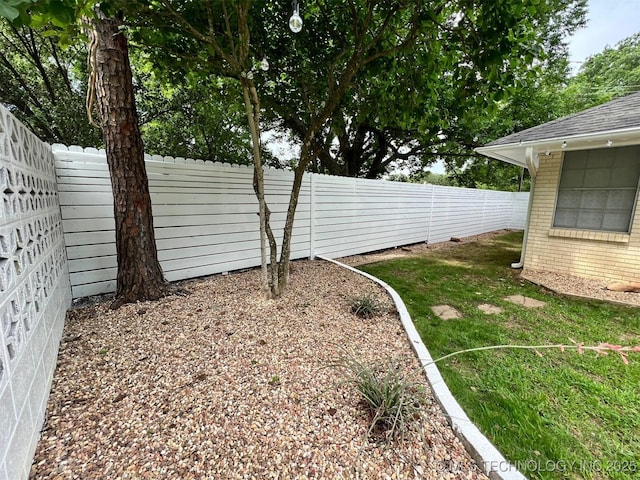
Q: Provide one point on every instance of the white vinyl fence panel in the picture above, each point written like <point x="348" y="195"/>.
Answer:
<point x="520" y="206"/>
<point x="34" y="291"/>
<point x="206" y="215"/>
<point x="494" y="215"/>
<point x="205" y="218"/>
<point x="357" y="215"/>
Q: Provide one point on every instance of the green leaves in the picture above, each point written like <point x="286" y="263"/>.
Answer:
<point x="9" y="9"/>
<point x="59" y="14"/>
<point x="62" y="12"/>
<point x="611" y="73"/>
<point x="463" y="59"/>
<point x="50" y="99"/>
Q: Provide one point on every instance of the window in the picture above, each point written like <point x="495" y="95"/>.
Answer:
<point x="598" y="189"/>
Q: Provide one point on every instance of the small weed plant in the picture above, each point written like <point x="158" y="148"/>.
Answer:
<point x="365" y="306"/>
<point x="392" y="399"/>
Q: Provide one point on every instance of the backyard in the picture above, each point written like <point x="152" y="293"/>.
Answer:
<point x="224" y="380"/>
<point x="558" y="415"/>
<point x="139" y="340"/>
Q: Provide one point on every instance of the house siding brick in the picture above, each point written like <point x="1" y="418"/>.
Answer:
<point x="602" y="255"/>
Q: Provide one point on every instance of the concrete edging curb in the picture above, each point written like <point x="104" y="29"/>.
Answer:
<point x="486" y="455"/>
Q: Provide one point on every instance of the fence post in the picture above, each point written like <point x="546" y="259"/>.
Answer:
<point x="312" y="215"/>
<point x="433" y="191"/>
<point x="484" y="209"/>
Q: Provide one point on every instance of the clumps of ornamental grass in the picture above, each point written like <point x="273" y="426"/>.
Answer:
<point x="365" y="306"/>
<point x="392" y="399"/>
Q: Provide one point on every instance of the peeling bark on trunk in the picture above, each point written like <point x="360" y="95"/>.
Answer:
<point x="139" y="274"/>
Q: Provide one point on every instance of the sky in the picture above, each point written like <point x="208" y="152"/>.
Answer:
<point x="608" y="22"/>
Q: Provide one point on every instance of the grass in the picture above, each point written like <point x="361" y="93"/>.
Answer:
<point x="562" y="415"/>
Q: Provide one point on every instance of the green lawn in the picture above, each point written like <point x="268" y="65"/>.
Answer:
<point x="562" y="415"/>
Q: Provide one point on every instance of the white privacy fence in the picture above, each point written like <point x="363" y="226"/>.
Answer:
<point x="206" y="222"/>
<point x="34" y="291"/>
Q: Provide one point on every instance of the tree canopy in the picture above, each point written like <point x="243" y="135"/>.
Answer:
<point x="612" y="73"/>
<point x="400" y="107"/>
<point x="472" y="74"/>
<point x="407" y="109"/>
<point x="197" y="117"/>
<point x="44" y="86"/>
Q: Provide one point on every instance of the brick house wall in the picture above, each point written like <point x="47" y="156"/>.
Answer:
<point x="602" y="255"/>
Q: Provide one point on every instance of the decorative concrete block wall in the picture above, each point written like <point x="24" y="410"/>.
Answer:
<point x="34" y="291"/>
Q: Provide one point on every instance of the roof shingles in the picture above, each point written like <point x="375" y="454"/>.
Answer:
<point x="618" y="114"/>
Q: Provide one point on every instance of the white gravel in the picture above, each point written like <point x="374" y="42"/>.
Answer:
<point x="224" y="384"/>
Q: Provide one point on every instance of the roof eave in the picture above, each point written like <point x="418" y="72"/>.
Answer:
<point x="515" y="152"/>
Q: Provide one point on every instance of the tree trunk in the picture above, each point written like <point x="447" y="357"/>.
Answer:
<point x="139" y="274"/>
<point x="307" y="154"/>
<point x="252" y="106"/>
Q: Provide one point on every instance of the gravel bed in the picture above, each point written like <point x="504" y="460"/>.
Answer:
<point x="580" y="287"/>
<point x="224" y="384"/>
